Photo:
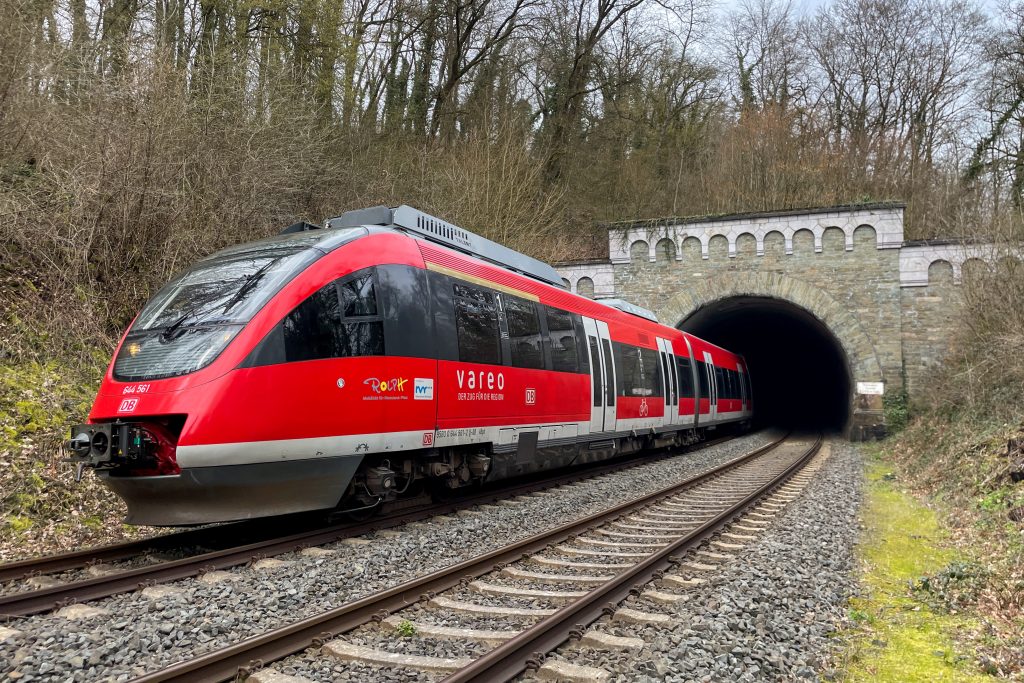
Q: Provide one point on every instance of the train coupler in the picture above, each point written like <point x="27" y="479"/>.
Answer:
<point x="109" y="445"/>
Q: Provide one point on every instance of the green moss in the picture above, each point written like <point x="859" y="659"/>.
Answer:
<point x="899" y="637"/>
<point x="94" y="522"/>
<point x="18" y="523"/>
<point x="38" y="398"/>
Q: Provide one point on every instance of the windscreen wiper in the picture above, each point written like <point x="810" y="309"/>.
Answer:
<point x="248" y="285"/>
<point x="197" y="310"/>
<point x="168" y="333"/>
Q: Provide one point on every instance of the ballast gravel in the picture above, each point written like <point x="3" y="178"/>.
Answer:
<point x="764" y="615"/>
<point x="140" y="635"/>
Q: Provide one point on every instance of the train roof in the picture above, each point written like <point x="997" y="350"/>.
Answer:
<point x="408" y="219"/>
<point x="323" y="240"/>
<point x="532" y="275"/>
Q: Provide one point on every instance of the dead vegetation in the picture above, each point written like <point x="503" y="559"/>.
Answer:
<point x="136" y="137"/>
<point x="956" y="450"/>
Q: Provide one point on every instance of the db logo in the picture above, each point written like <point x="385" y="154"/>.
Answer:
<point x="128" y="405"/>
<point x="643" y="408"/>
<point x="428" y="438"/>
<point x="531" y="397"/>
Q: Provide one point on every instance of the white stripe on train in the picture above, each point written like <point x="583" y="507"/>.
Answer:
<point x="504" y="437"/>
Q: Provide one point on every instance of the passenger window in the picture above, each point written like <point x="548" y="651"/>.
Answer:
<point x="703" y="380"/>
<point x="651" y="370"/>
<point x="562" y="334"/>
<point x="629" y="370"/>
<point x="641" y="373"/>
<point x="685" y="376"/>
<point x="524" y="333"/>
<point x="476" y="319"/>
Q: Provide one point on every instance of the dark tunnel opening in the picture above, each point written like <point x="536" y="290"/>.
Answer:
<point x="799" y="370"/>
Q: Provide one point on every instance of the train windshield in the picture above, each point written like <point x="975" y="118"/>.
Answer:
<point x="192" y="319"/>
<point x="223" y="290"/>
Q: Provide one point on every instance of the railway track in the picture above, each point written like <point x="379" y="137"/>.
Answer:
<point x="237" y="544"/>
<point x="578" y="571"/>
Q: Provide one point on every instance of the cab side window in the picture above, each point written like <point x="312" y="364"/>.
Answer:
<point x="338" y="321"/>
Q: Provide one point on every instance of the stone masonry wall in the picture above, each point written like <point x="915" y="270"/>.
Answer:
<point x="930" y="313"/>
<point x="855" y="293"/>
<point x="891" y="306"/>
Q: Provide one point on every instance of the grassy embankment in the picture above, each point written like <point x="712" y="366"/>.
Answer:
<point x="941" y="559"/>
<point x="42" y="509"/>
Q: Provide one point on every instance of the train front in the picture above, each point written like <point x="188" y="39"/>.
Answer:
<point x="171" y="383"/>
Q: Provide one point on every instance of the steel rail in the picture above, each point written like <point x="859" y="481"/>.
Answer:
<point x="251" y="531"/>
<point x="26" y="603"/>
<point x="226" y="663"/>
<point x="508" y="660"/>
<point x="203" y="536"/>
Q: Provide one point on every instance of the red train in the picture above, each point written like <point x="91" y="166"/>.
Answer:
<point x="337" y="366"/>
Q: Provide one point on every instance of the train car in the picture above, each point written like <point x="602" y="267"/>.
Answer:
<point x="387" y="352"/>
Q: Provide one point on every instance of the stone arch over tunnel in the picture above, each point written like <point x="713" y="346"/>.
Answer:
<point x="805" y="350"/>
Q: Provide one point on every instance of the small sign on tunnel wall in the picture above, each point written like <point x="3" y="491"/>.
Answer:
<point x="871" y="388"/>
<point x="869" y="397"/>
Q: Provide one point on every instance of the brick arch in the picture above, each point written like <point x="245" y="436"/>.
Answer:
<point x="665" y="250"/>
<point x="940" y="272"/>
<point x="865" y="236"/>
<point x="746" y="245"/>
<point x="844" y="325"/>
<point x="639" y="251"/>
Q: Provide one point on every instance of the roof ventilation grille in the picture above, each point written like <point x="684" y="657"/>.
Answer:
<point x="436" y="230"/>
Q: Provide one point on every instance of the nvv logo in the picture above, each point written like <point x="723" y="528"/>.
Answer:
<point x="423" y="389"/>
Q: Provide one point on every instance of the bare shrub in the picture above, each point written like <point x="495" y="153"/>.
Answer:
<point x="983" y="374"/>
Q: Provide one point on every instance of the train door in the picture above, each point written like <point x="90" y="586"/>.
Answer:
<point x="744" y="399"/>
<point x="696" y="383"/>
<point x="668" y="365"/>
<point x="709" y="367"/>
<point x="602" y="376"/>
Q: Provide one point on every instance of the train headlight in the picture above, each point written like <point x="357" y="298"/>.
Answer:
<point x="80" y="444"/>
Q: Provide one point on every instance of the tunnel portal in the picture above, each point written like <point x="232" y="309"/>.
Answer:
<point x="800" y="373"/>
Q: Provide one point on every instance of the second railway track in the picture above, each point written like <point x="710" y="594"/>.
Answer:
<point x="246" y="544"/>
<point x="577" y="571"/>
